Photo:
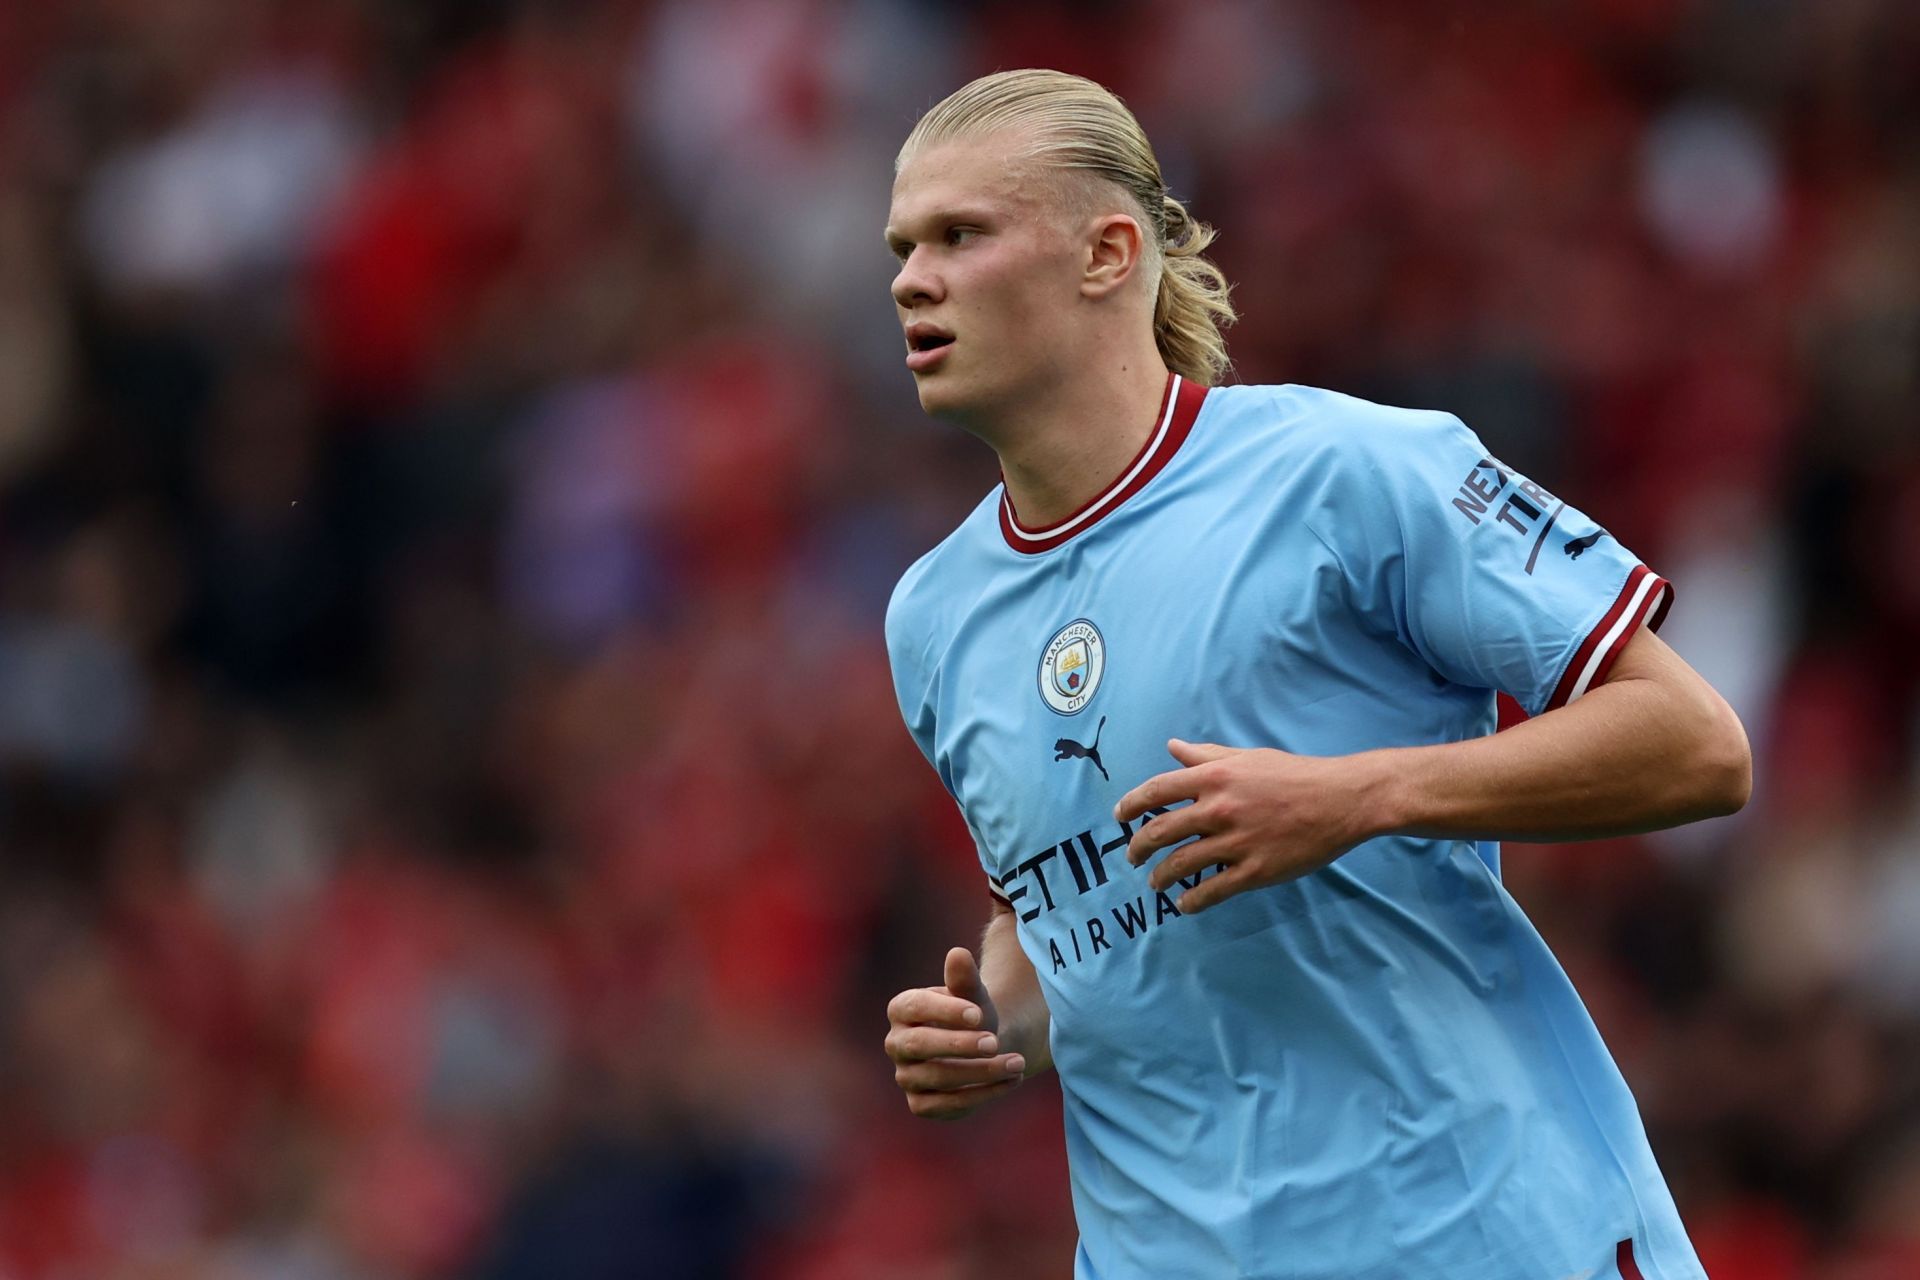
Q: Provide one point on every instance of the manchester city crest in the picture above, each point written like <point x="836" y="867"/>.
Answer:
<point x="1071" y="666"/>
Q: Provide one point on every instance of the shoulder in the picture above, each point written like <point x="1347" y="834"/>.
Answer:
<point x="1330" y="452"/>
<point x="1356" y="474"/>
<point x="935" y="586"/>
<point x="1305" y="421"/>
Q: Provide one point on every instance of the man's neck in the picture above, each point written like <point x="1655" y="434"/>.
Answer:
<point x="1068" y="447"/>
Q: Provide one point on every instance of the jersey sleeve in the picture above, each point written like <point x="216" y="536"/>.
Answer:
<point x="1493" y="580"/>
<point x="909" y="662"/>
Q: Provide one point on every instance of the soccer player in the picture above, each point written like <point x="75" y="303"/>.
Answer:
<point x="1300" y="1028"/>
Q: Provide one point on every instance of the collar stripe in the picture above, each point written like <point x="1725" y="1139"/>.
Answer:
<point x="1180" y="407"/>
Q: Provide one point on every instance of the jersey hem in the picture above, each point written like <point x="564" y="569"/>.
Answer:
<point x="1623" y="1256"/>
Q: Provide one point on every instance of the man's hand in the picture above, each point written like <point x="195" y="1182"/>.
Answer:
<point x="945" y="1047"/>
<point x="1266" y="815"/>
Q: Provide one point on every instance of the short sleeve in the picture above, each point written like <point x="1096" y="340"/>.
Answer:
<point x="907" y="658"/>
<point x="907" y="661"/>
<point x="1494" y="581"/>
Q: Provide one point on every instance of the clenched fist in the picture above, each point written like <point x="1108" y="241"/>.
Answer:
<point x="945" y="1044"/>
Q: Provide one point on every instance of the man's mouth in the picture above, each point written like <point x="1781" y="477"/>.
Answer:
<point x="926" y="347"/>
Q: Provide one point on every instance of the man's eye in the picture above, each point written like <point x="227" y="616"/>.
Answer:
<point x="955" y="235"/>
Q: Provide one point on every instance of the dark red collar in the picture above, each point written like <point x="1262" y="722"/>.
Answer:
<point x="1178" y="408"/>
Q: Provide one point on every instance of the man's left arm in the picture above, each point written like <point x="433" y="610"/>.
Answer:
<point x="1653" y="746"/>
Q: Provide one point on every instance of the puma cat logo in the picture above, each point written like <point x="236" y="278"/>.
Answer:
<point x="1068" y="749"/>
<point x="1577" y="545"/>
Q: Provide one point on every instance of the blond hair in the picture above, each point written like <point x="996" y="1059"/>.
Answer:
<point x="1078" y="126"/>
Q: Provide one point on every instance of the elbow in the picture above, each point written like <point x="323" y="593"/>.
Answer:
<point x="1724" y="772"/>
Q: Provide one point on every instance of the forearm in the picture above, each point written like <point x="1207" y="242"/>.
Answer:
<point x="1634" y="754"/>
<point x="1009" y="977"/>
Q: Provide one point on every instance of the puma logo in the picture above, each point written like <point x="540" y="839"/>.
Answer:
<point x="1068" y="749"/>
<point x="1577" y="545"/>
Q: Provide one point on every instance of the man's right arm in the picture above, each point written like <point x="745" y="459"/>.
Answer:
<point x="1009" y="975"/>
<point x="971" y="1040"/>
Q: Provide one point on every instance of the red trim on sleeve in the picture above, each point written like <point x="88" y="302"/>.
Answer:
<point x="1663" y="601"/>
<point x="1623" y="1259"/>
<point x="1645" y="597"/>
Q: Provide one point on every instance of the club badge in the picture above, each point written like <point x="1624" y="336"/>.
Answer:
<point x="1071" y="667"/>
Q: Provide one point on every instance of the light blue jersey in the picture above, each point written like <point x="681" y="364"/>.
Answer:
<point x="1377" y="1072"/>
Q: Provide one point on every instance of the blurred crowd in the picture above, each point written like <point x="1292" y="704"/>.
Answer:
<point x="454" y="455"/>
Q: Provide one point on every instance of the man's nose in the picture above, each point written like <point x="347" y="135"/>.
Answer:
<point x="914" y="282"/>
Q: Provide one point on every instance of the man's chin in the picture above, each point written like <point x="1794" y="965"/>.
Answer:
<point x="940" y="397"/>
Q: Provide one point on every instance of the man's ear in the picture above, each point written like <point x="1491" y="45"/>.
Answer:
<point x="1115" y="245"/>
